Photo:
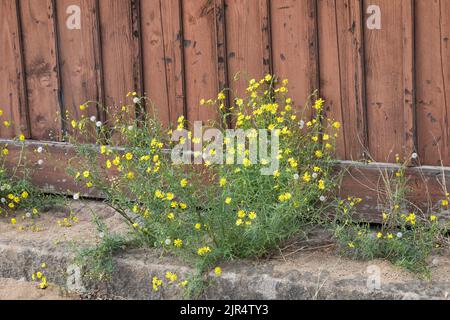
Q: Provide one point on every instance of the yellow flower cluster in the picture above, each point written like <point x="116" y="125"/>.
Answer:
<point x="39" y="276"/>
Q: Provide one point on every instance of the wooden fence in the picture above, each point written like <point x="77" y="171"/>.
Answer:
<point x="385" y="74"/>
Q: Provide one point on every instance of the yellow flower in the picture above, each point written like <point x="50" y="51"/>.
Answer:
<point x="116" y="161"/>
<point x="241" y="214"/>
<point x="43" y="265"/>
<point x="228" y="200"/>
<point x="326" y="137"/>
<point x="183" y="183"/>
<point x="82" y="107"/>
<point x="39" y="275"/>
<point x="172" y="277"/>
<point x="252" y="215"/>
<point x="445" y="203"/>
<point x="86" y="174"/>
<point x="11" y="206"/>
<point x="321" y="185"/>
<point x="73" y="123"/>
<point x="221" y="96"/>
<point x="411" y="218"/>
<point x="103" y="149"/>
<point x="7" y="124"/>
<point x="130" y="175"/>
<point x="170" y="196"/>
<point x="129" y="156"/>
<point x="351" y="245"/>
<point x="198" y="226"/>
<point x="5" y="152"/>
<point x="22" y="137"/>
<point x="184" y="283"/>
<point x="178" y="243"/>
<point x="318" y="154"/>
<point x="306" y="177"/>
<point x="159" y="194"/>
<point x="108" y="164"/>
<point x="223" y="182"/>
<point x="239" y="222"/>
<point x="156" y="283"/>
<point x="246" y="162"/>
<point x="171" y="216"/>
<point x="433" y="218"/>
<point x="390" y="236"/>
<point x="203" y="250"/>
<point x="379" y="235"/>
<point x="13" y="221"/>
<point x="336" y="125"/>
<point x="218" y="271"/>
<point x="183" y="205"/>
<point x="25" y="195"/>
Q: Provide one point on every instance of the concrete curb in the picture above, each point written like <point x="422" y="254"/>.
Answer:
<point x="240" y="281"/>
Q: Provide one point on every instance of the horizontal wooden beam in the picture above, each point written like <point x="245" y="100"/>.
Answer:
<point x="428" y="184"/>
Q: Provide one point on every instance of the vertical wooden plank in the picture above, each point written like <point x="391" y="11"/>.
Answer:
<point x="154" y="58"/>
<point x="342" y="75"/>
<point x="389" y="81"/>
<point x="162" y="57"/>
<point x="174" y="57"/>
<point x="294" y="41"/>
<point x="12" y="87"/>
<point x="41" y="67"/>
<point x="248" y="41"/>
<point x="433" y="80"/>
<point x="80" y="59"/>
<point x="200" y="58"/>
<point x="120" y="51"/>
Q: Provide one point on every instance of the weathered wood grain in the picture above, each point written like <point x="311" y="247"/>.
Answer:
<point x="120" y="42"/>
<point x="163" y="57"/>
<point x="295" y="48"/>
<point x="390" y="81"/>
<point x="80" y="60"/>
<point x="12" y="86"/>
<point x="248" y="42"/>
<point x="433" y="80"/>
<point x="200" y="59"/>
<point x="342" y="76"/>
<point x="41" y="67"/>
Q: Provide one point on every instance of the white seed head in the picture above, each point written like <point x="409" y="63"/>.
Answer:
<point x="40" y="150"/>
<point x="93" y="118"/>
<point x="76" y="196"/>
<point x="98" y="124"/>
<point x="136" y="100"/>
<point x="314" y="175"/>
<point x="168" y="242"/>
<point x="323" y="198"/>
<point x="296" y="176"/>
<point x="40" y="162"/>
<point x="414" y="156"/>
<point x="399" y="235"/>
<point x="301" y="124"/>
<point x="28" y="215"/>
<point x="130" y="128"/>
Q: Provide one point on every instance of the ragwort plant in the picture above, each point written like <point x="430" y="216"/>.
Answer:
<point x="406" y="237"/>
<point x="210" y="212"/>
<point x="18" y="196"/>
